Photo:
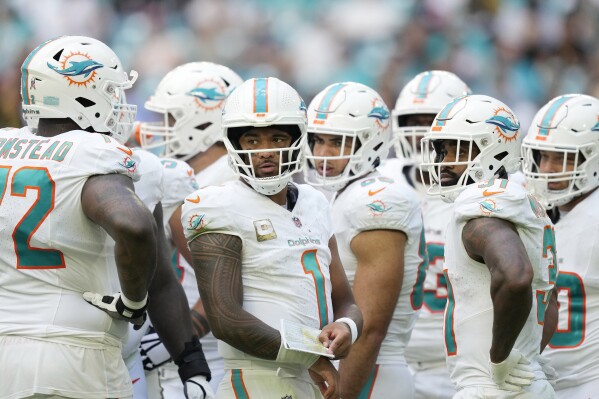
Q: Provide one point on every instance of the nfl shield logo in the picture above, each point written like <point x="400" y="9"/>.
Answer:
<point x="297" y="222"/>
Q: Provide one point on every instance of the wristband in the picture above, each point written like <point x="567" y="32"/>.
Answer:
<point x="353" y="328"/>
<point x="134" y="305"/>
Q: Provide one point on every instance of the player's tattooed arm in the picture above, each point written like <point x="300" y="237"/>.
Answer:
<point x="217" y="264"/>
<point x="496" y="243"/>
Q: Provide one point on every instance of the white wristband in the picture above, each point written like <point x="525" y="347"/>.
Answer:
<point x="134" y="305"/>
<point x="352" y="327"/>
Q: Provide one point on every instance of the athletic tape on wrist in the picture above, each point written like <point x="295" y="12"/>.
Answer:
<point x="134" y="305"/>
<point x="352" y="327"/>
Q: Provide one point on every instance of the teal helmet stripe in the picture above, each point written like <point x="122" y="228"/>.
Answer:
<point x="25" y="73"/>
<point x="421" y="91"/>
<point x="325" y="104"/>
<point x="260" y="95"/>
<point x="550" y="114"/>
<point x="445" y="111"/>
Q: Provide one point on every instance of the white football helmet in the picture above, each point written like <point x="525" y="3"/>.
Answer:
<point x="79" y="78"/>
<point x="472" y="121"/>
<point x="568" y="125"/>
<point x="357" y="113"/>
<point x="427" y="93"/>
<point x="262" y="102"/>
<point x="193" y="95"/>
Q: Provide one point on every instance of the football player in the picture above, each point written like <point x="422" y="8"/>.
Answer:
<point x="561" y="168"/>
<point x="500" y="262"/>
<point x="378" y="225"/>
<point x="263" y="250"/>
<point x="189" y="100"/>
<point x="65" y="191"/>
<point x="415" y="109"/>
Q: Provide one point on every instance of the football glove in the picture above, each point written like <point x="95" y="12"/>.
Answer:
<point x="153" y="352"/>
<point x="115" y="306"/>
<point x="198" y="387"/>
<point x="513" y="373"/>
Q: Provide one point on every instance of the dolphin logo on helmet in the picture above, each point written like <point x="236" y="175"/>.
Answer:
<point x="78" y="68"/>
<point x="504" y="123"/>
<point x="380" y="113"/>
<point x="207" y="94"/>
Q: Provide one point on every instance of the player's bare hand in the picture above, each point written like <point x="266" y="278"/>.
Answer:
<point x="326" y="378"/>
<point x="337" y="338"/>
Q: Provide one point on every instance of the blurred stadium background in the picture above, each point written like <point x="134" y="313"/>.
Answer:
<point x="522" y="52"/>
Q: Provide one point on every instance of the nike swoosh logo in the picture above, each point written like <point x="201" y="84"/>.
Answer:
<point x="135" y="380"/>
<point x="195" y="200"/>
<point x="487" y="193"/>
<point x="127" y="151"/>
<point x="371" y="192"/>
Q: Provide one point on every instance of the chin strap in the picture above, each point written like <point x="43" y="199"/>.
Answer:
<point x="192" y="361"/>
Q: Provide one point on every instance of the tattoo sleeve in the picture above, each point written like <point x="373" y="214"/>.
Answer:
<point x="217" y="264"/>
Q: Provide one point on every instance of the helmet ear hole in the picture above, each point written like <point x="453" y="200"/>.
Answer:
<point x="204" y="126"/>
<point x="501" y="155"/>
<point x="85" y="102"/>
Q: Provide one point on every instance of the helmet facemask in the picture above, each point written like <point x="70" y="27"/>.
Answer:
<point x="578" y="178"/>
<point x="566" y="131"/>
<point x="289" y="159"/>
<point x="357" y="119"/>
<point x="265" y="103"/>
<point x="467" y="156"/>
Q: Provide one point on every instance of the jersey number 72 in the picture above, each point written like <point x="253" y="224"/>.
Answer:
<point x="22" y="180"/>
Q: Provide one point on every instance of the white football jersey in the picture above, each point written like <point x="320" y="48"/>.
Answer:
<point x="150" y="186"/>
<point x="426" y="344"/>
<point x="219" y="172"/>
<point x="574" y="348"/>
<point x="285" y="255"/>
<point x="179" y="182"/>
<point x="469" y="311"/>
<point x="50" y="251"/>
<point x="376" y="202"/>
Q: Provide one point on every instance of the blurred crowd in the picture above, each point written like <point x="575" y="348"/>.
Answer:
<point x="522" y="52"/>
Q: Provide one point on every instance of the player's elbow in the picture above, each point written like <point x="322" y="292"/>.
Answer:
<point x="517" y="279"/>
<point x="139" y="228"/>
<point x="374" y="333"/>
<point x="222" y="333"/>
